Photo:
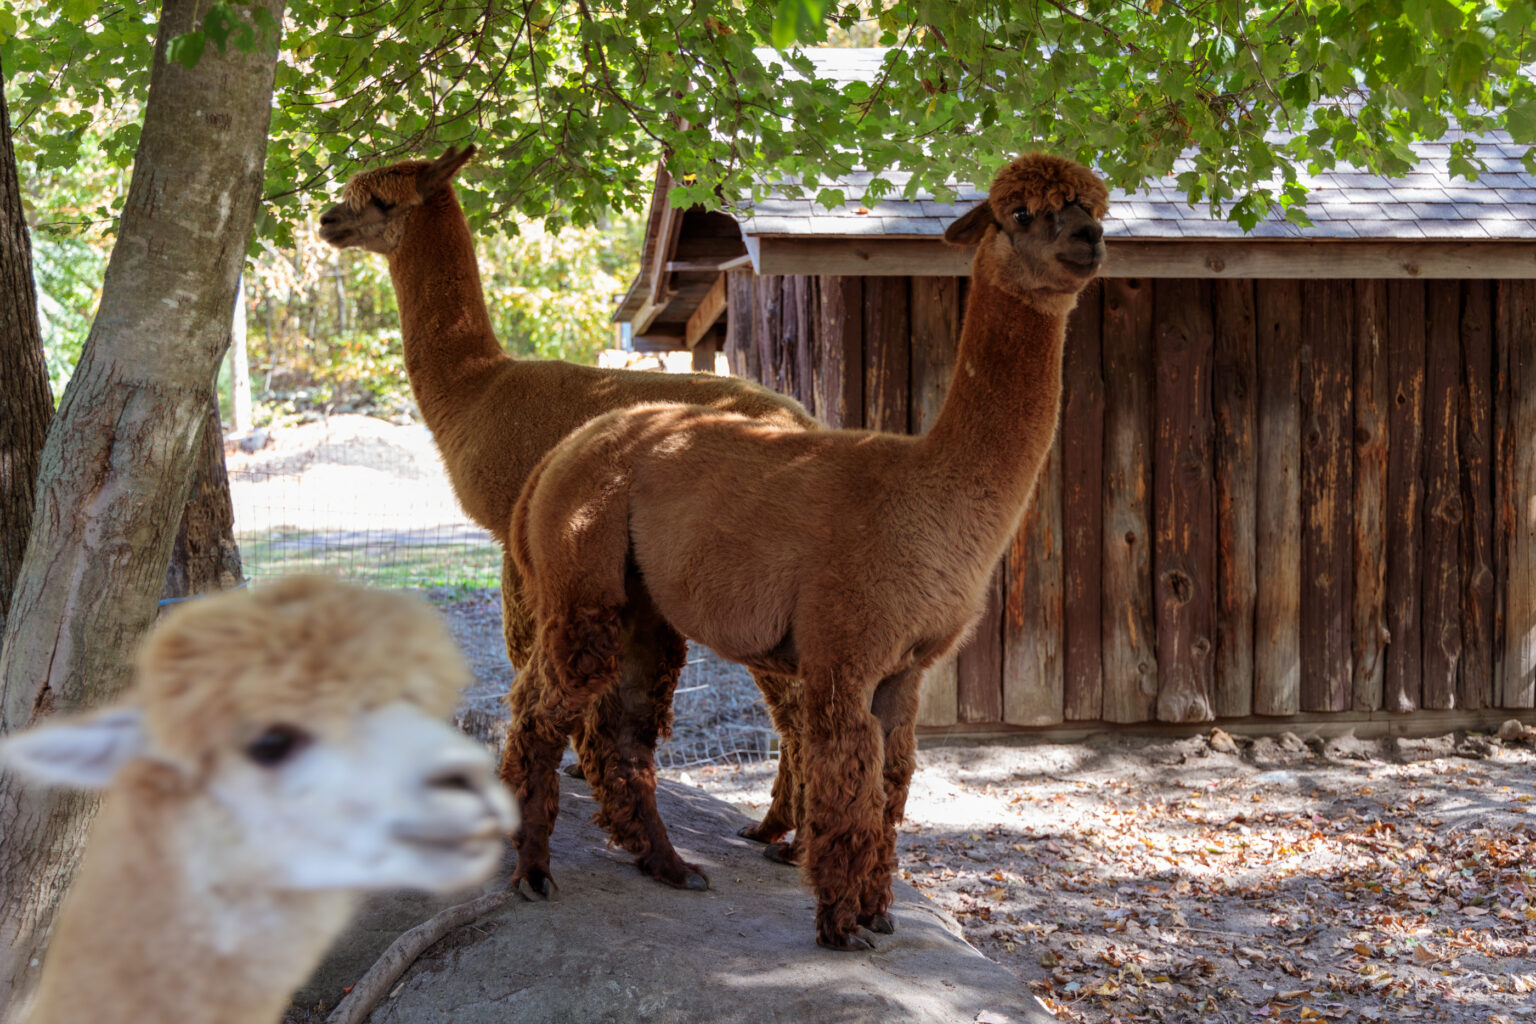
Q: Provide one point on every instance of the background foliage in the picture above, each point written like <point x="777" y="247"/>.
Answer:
<point x="573" y="102"/>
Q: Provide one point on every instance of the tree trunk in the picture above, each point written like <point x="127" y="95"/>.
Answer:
<point x="117" y="464"/>
<point x="25" y="403"/>
<point x="204" y="557"/>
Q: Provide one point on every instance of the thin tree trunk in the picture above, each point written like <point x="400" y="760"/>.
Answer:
<point x="117" y="464"/>
<point x="205" y="557"/>
<point x="25" y="403"/>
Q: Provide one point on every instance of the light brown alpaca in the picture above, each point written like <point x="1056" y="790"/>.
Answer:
<point x="851" y="559"/>
<point x="284" y="748"/>
<point x="494" y="417"/>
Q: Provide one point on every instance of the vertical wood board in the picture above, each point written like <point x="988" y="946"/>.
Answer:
<point x="1475" y="687"/>
<point x="1184" y="501"/>
<point x="1129" y="630"/>
<point x="1327" y="490"/>
<point x="1277" y="603"/>
<point x="979" y="664"/>
<point x="1516" y="425"/>
<point x="1372" y="438"/>
<point x="1032" y="624"/>
<point x="1405" y="494"/>
<point x="1081" y="446"/>
<point x="839" y="352"/>
<point x="1441" y="600"/>
<point x="1233" y="410"/>
<point x="887" y="354"/>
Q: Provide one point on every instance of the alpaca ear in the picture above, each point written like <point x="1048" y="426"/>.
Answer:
<point x="440" y="172"/>
<point x="969" y="228"/>
<point x="82" y="753"/>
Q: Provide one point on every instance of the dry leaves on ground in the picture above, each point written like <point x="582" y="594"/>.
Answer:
<point x="1171" y="882"/>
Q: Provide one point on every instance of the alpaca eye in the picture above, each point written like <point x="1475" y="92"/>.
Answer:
<point x="276" y="745"/>
<point x="1023" y="217"/>
<point x="382" y="205"/>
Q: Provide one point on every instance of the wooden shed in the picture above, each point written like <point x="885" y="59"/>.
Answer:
<point x="1295" y="478"/>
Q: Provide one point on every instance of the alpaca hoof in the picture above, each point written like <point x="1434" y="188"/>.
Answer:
<point x="533" y="885"/>
<point x="857" y="941"/>
<point x="574" y="770"/>
<point x="756" y="833"/>
<point x="679" y="875"/>
<point x="880" y="924"/>
<point x="782" y="853"/>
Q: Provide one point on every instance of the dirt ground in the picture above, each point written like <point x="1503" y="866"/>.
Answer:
<point x="1210" y="879"/>
<point x="1234" y="880"/>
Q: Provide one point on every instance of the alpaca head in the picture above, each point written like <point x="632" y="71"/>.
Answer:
<point x="375" y="204"/>
<point x="300" y="723"/>
<point x="1039" y="229"/>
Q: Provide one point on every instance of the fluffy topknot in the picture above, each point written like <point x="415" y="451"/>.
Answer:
<point x="302" y="650"/>
<point x="394" y="184"/>
<point x="1042" y="181"/>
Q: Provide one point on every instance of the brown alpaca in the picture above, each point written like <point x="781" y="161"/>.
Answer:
<point x="494" y="417"/>
<point x="283" y="750"/>
<point x="850" y="559"/>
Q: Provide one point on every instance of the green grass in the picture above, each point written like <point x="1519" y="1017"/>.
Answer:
<point x="375" y="558"/>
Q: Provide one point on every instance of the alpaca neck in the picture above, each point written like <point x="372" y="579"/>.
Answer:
<point x="999" y="417"/>
<point x="444" y="326"/>
<point x="156" y="928"/>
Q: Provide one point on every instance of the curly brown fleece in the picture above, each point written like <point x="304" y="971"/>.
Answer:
<point x="852" y="559"/>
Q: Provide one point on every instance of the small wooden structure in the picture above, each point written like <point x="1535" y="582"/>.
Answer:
<point x="1295" y="479"/>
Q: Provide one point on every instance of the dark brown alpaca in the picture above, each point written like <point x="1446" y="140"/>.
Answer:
<point x="850" y="559"/>
<point x="494" y="417"/>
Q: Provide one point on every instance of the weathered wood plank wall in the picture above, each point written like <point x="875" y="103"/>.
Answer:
<point x="1268" y="497"/>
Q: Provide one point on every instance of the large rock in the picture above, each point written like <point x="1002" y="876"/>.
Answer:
<point x="614" y="945"/>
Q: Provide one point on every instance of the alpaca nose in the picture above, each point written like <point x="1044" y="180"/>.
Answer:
<point x="328" y="218"/>
<point x="461" y="770"/>
<point x="1090" y="233"/>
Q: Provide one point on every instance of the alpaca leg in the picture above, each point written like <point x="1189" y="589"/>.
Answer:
<point x="782" y="696"/>
<point x="516" y="619"/>
<point x="618" y="749"/>
<point x="572" y="665"/>
<point x="895" y="705"/>
<point x="844" y="803"/>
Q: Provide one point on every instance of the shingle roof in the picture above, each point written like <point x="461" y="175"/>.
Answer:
<point x="1345" y="203"/>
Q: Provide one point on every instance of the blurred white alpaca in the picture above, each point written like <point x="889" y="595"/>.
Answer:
<point x="283" y="750"/>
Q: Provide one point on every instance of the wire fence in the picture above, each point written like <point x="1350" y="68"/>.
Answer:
<point x="369" y="501"/>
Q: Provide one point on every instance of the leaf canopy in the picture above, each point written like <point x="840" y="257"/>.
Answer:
<point x="573" y="103"/>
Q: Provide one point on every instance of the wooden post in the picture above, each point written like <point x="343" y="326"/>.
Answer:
<point x="1327" y="555"/>
<point x="935" y="339"/>
<point x="1129" y="639"/>
<point x="1475" y="687"/>
<point x="1516" y="425"/>
<point x="1277" y="605"/>
<point x="1405" y="493"/>
<point x="1372" y="402"/>
<point x="1236" y="494"/>
<point x="1081" y="444"/>
<point x="740" y="349"/>
<point x="703" y="360"/>
<point x="1442" y="495"/>
<point x="1032" y="661"/>
<point x="1184" y="502"/>
<point x="839" y="352"/>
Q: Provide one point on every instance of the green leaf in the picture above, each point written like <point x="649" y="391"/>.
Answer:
<point x="186" y="49"/>
<point x="795" y="20"/>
